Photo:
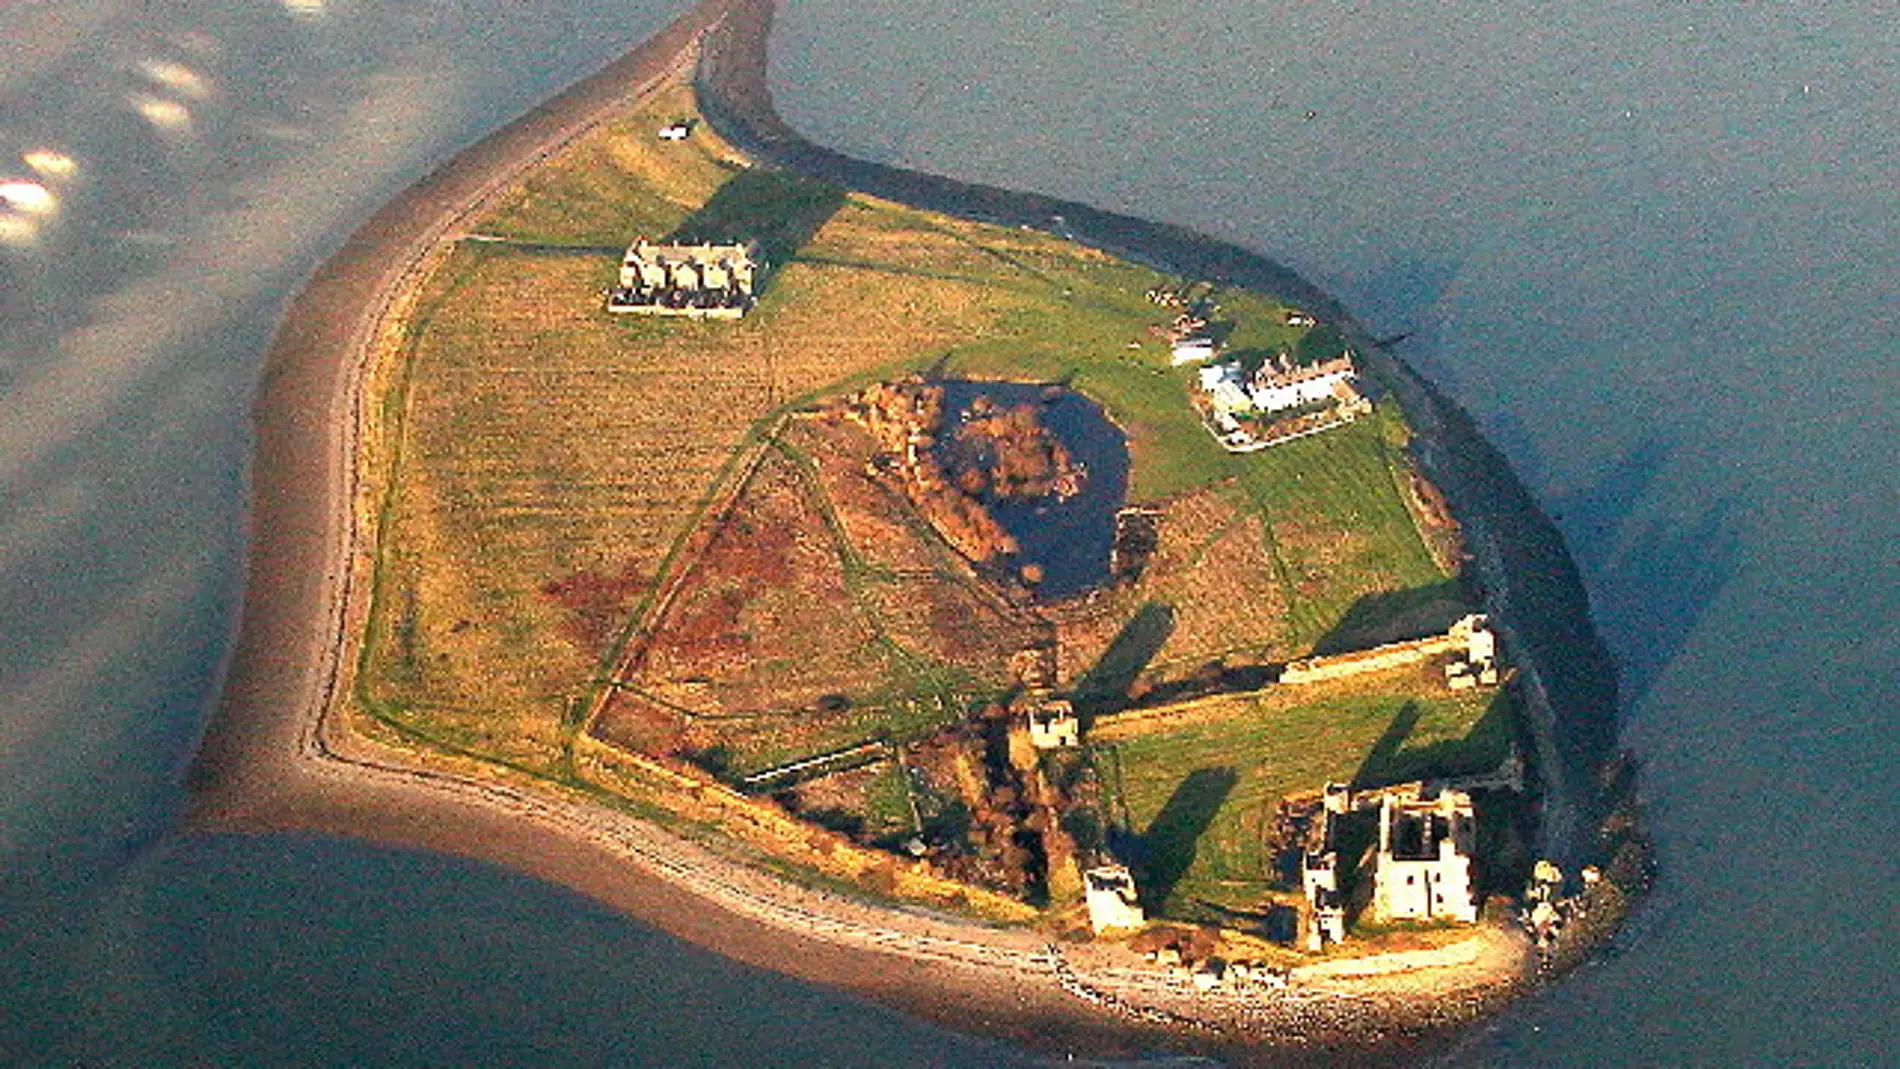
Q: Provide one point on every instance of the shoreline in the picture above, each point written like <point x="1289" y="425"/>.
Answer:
<point x="278" y="758"/>
<point x="1521" y="556"/>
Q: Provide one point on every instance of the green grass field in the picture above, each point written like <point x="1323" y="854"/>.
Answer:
<point x="544" y="462"/>
<point x="1201" y="797"/>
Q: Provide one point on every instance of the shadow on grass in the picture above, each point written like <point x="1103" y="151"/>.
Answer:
<point x="780" y="211"/>
<point x="1105" y="686"/>
<point x="1167" y="847"/>
<point x="1380" y="761"/>
<point x="1395" y="616"/>
<point x="1390" y="761"/>
<point x="1318" y="345"/>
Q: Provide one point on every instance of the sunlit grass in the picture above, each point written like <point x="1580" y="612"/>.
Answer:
<point x="1401" y="728"/>
<point x="551" y="459"/>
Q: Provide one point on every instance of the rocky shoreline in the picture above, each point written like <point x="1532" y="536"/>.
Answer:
<point x="281" y="757"/>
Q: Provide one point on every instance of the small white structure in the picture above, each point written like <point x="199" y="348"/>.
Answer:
<point x="1423" y="868"/>
<point x="1319" y="873"/>
<point x="1226" y="388"/>
<point x="678" y="130"/>
<point x="1547" y="882"/>
<point x="1193" y="350"/>
<point x="1053" y="725"/>
<point x="1209" y="974"/>
<point x="1480" y="663"/>
<point x="1112" y="901"/>
<point x="1319" y="878"/>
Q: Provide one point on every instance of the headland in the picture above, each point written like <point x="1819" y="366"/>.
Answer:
<point x="597" y="790"/>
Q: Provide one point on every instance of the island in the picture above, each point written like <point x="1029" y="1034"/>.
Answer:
<point x="1047" y="621"/>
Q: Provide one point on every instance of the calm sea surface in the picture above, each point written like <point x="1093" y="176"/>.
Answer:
<point x="1651" y="245"/>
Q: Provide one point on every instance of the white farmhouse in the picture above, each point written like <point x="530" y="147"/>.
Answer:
<point x="702" y="281"/>
<point x="1282" y="384"/>
<point x="1278" y="385"/>
<point x="1193" y="350"/>
<point x="1226" y="388"/>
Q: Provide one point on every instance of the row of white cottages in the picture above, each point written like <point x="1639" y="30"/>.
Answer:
<point x="1277" y="386"/>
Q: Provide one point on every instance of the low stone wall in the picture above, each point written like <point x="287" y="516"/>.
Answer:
<point x="1376" y="659"/>
<point x="766" y="827"/>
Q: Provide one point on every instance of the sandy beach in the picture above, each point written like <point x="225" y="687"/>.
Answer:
<point x="279" y="756"/>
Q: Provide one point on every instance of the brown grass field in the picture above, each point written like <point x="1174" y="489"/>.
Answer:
<point x="637" y="528"/>
<point x="779" y="638"/>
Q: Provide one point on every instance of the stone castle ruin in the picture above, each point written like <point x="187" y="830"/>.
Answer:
<point x="1319" y="873"/>
<point x="703" y="281"/>
<point x="1423" y="868"/>
<point x="1421" y="862"/>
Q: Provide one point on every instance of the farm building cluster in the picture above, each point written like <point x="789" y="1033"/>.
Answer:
<point x="1252" y="402"/>
<point x="703" y="281"/>
<point x="1277" y="385"/>
<point x="1248" y="409"/>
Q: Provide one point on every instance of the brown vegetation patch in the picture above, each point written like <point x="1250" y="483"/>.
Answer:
<point x="905" y="419"/>
<point x="840" y="792"/>
<point x="636" y="722"/>
<point x="736" y="745"/>
<point x="881" y="527"/>
<point x="947" y="620"/>
<point x="1319" y="550"/>
<point x="1229" y="600"/>
<point x="1213" y="571"/>
<point x="1443" y="535"/>
<point x="764" y="618"/>
<point x="1086" y="626"/>
<point x="598" y="604"/>
<point x="1007" y="453"/>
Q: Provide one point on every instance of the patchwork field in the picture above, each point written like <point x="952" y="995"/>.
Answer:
<point x="780" y="640"/>
<point x="650" y="530"/>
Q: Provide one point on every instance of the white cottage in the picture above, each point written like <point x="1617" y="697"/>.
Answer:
<point x="1226" y="388"/>
<point x="1112" y="901"/>
<point x="703" y="281"/>
<point x="1281" y="385"/>
<point x="1193" y="350"/>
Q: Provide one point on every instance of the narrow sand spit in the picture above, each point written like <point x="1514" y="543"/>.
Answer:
<point x="280" y="758"/>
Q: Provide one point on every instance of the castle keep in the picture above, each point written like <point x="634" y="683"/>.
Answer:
<point x="1423" y="868"/>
